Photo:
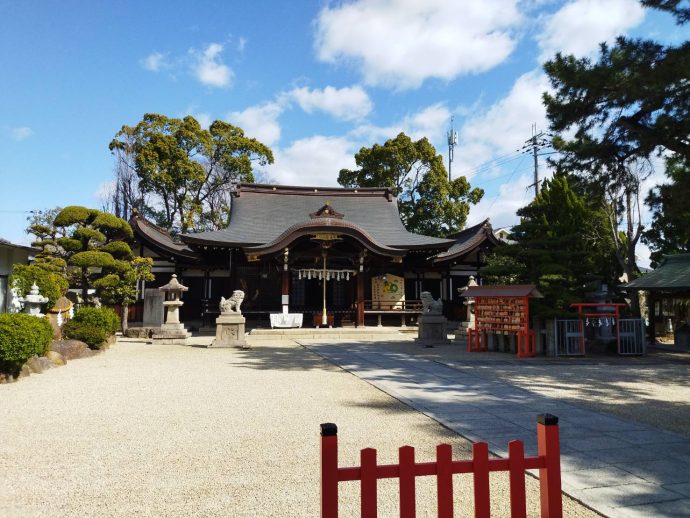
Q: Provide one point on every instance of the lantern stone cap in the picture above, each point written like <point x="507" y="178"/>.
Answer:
<point x="174" y="285"/>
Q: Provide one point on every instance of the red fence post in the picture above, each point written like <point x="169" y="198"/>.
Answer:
<point x="550" y="474"/>
<point x="516" y="466"/>
<point x="408" y="500"/>
<point x="368" y="490"/>
<point x="480" y="467"/>
<point x="444" y="480"/>
<point x="329" y="470"/>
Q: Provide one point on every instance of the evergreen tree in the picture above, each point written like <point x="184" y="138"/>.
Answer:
<point x="670" y="229"/>
<point x="561" y="245"/>
<point x="428" y="202"/>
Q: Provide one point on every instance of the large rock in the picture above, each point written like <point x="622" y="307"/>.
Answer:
<point x="71" y="349"/>
<point x="38" y="364"/>
<point x="55" y="358"/>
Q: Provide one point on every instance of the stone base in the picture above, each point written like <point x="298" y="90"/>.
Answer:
<point x="461" y="335"/>
<point x="174" y="336"/>
<point x="433" y="329"/>
<point x="230" y="331"/>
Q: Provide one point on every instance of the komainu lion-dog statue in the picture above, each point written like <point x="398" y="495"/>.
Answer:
<point x="232" y="305"/>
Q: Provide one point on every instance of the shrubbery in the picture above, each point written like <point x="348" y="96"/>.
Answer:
<point x="92" y="326"/>
<point x="50" y="284"/>
<point x="104" y="318"/>
<point x="21" y="337"/>
<point x="91" y="335"/>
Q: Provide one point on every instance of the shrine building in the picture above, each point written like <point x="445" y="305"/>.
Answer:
<point x="300" y="250"/>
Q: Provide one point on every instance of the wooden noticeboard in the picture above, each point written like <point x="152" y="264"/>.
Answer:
<point x="502" y="310"/>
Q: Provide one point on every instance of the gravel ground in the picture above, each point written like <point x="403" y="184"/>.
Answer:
<point x="654" y="389"/>
<point x="144" y="430"/>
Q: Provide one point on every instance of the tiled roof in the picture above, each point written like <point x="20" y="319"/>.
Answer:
<point x="467" y="240"/>
<point x="159" y="237"/>
<point x="672" y="274"/>
<point x="261" y="213"/>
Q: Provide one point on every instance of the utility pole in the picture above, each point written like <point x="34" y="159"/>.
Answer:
<point x="538" y="141"/>
<point x="452" y="140"/>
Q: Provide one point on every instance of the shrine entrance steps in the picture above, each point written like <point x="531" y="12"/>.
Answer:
<point x="364" y="333"/>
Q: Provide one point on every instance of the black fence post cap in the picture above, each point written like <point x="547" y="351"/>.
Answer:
<point x="328" y="429"/>
<point x="546" y="419"/>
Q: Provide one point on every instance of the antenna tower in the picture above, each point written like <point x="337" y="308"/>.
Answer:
<point x="452" y="140"/>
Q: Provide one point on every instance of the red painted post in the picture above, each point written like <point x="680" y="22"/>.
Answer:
<point x="516" y="467"/>
<point x="408" y="504"/>
<point x="444" y="480"/>
<point x="480" y="467"/>
<point x="329" y="470"/>
<point x="550" y="475"/>
<point x="368" y="494"/>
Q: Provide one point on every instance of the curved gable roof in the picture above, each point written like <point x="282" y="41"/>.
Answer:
<point x="261" y="213"/>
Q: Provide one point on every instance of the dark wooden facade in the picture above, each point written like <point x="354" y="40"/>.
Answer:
<point x="279" y="236"/>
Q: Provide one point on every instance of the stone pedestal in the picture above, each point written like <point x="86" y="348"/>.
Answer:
<point x="433" y="329"/>
<point x="230" y="331"/>
<point x="171" y="333"/>
<point x="462" y="334"/>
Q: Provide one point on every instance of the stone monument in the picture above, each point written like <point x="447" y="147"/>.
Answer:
<point x="433" y="326"/>
<point x="172" y="331"/>
<point x="461" y="334"/>
<point x="230" y="323"/>
<point x="33" y="301"/>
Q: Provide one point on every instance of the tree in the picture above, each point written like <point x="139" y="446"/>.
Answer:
<point x="669" y="232"/>
<point x="122" y="288"/>
<point x="428" y="202"/>
<point x="631" y="102"/>
<point x="562" y="245"/>
<point x="189" y="169"/>
<point x="91" y="244"/>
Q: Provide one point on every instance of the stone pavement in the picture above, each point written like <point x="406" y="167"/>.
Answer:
<point x="617" y="467"/>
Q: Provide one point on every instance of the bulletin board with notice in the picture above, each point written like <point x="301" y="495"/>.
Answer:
<point x="387" y="292"/>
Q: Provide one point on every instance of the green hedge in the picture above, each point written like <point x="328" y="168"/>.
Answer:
<point x="21" y="337"/>
<point x="94" y="336"/>
<point x="103" y="318"/>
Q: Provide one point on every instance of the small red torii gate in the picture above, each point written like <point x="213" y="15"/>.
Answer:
<point x="587" y="310"/>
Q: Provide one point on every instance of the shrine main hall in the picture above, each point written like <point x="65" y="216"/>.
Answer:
<point x="334" y="256"/>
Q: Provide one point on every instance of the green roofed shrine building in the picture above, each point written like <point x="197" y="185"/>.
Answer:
<point x="283" y="242"/>
<point x="668" y="295"/>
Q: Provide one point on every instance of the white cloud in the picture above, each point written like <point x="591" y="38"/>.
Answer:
<point x="580" y="25"/>
<point x="430" y="122"/>
<point x="260" y="122"/>
<point x="348" y="103"/>
<point x="501" y="207"/>
<point x="313" y="161"/>
<point x="401" y="43"/>
<point x="22" y="133"/>
<point x="241" y="44"/>
<point x="208" y="68"/>
<point x="154" y="62"/>
<point x="504" y="126"/>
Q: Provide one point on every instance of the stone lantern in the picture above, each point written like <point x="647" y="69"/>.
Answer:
<point x="172" y="331"/>
<point x="33" y="302"/>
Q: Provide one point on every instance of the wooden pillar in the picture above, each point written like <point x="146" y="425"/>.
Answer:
<point x="360" y="299"/>
<point x="285" y="290"/>
<point x="651" y="305"/>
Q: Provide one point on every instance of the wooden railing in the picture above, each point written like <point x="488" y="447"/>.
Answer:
<point x="369" y="472"/>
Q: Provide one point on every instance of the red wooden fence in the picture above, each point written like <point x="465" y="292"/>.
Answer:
<point x="547" y="461"/>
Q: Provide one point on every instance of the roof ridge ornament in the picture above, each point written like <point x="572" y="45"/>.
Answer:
<point x="326" y="211"/>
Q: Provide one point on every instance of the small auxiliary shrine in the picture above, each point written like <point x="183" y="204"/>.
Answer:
<point x="502" y="310"/>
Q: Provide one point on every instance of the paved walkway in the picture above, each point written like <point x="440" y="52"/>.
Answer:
<point x="618" y="467"/>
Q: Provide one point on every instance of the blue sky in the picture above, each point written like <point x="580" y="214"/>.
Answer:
<point x="314" y="80"/>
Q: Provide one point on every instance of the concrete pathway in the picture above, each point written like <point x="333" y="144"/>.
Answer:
<point x="617" y="467"/>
